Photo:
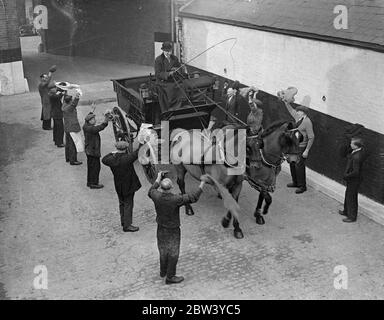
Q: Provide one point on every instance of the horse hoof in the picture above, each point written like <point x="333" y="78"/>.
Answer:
<point x="265" y="212"/>
<point x="260" y="220"/>
<point x="238" y="234"/>
<point x="189" y="213"/>
<point x="257" y="213"/>
<point x="225" y="222"/>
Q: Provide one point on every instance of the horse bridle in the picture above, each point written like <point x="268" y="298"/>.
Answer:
<point x="264" y="160"/>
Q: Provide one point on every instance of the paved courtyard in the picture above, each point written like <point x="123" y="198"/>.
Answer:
<point x="49" y="217"/>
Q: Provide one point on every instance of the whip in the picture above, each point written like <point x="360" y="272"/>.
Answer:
<point x="211" y="47"/>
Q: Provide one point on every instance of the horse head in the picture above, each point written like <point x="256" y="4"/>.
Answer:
<point x="278" y="139"/>
<point x="290" y="139"/>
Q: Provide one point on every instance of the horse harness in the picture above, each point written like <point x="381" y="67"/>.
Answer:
<point x="275" y="167"/>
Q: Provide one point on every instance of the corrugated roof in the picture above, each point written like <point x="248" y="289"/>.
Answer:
<point x="307" y="18"/>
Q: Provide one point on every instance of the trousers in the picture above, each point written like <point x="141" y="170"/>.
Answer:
<point x="126" y="209"/>
<point x="298" y="170"/>
<point x="93" y="170"/>
<point x="70" y="149"/>
<point x="350" y="200"/>
<point x="58" y="131"/>
<point x="46" y="124"/>
<point x="168" y="243"/>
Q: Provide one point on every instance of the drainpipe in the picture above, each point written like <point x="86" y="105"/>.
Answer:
<point x="172" y="21"/>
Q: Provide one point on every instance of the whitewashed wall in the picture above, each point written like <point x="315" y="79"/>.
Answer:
<point x="351" y="79"/>
<point x="12" y="79"/>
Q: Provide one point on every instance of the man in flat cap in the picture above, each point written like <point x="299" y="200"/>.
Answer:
<point x="166" y="65"/>
<point x="304" y="125"/>
<point x="167" y="205"/>
<point x="126" y="181"/>
<point x="92" y="149"/>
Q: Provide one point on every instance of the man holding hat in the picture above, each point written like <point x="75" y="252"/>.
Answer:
<point x="92" y="149"/>
<point x="126" y="181"/>
<point x="44" y="86"/>
<point x="255" y="117"/>
<point x="71" y="124"/>
<point x="167" y="205"/>
<point x="304" y="125"/>
<point x="55" y="97"/>
<point x="166" y="65"/>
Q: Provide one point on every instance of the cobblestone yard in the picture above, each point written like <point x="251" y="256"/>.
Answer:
<point x="49" y="217"/>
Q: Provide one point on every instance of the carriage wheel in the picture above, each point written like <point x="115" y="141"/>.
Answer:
<point x="124" y="128"/>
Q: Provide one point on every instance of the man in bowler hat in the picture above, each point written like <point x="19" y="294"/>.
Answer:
<point x="126" y="181"/>
<point x="92" y="149"/>
<point x="166" y="66"/>
<point x="167" y="205"/>
<point x="166" y="63"/>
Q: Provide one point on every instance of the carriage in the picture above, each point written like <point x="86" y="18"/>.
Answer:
<point x="138" y="106"/>
<point x="138" y="103"/>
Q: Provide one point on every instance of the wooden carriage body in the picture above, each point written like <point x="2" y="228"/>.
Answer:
<point x="138" y="103"/>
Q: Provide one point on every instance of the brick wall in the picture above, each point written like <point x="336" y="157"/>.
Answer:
<point x="9" y="32"/>
<point x="11" y="67"/>
<point x="122" y="30"/>
<point x="351" y="80"/>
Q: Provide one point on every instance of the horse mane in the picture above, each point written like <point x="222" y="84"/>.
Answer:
<point x="275" y="125"/>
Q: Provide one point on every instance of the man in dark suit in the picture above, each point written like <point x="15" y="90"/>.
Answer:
<point x="353" y="178"/>
<point x="55" y="97"/>
<point x="45" y="82"/>
<point x="92" y="149"/>
<point x="167" y="205"/>
<point x="166" y="65"/>
<point x="71" y="124"/>
<point x="126" y="181"/>
<point x="236" y="104"/>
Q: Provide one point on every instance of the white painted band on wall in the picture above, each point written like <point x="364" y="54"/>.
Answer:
<point x="351" y="79"/>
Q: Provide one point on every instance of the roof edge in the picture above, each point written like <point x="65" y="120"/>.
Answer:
<point x="299" y="34"/>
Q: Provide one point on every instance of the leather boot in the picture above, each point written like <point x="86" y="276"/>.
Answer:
<point x="174" y="279"/>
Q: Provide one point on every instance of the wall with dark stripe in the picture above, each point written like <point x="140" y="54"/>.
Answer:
<point x="325" y="155"/>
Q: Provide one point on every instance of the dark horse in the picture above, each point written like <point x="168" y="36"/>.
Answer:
<point x="264" y="155"/>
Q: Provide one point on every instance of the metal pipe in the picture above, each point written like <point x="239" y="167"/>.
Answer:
<point x="172" y="21"/>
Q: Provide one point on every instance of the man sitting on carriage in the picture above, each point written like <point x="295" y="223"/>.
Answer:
<point x="167" y="70"/>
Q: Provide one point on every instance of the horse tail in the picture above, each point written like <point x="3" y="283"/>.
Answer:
<point x="229" y="202"/>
